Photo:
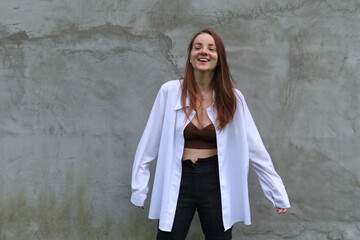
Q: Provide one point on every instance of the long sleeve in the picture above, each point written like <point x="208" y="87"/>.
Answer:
<point x="270" y="181"/>
<point x="147" y="151"/>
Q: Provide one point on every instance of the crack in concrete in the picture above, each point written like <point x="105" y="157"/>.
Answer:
<point x="106" y="29"/>
<point x="350" y="9"/>
<point x="289" y="7"/>
<point x="169" y="44"/>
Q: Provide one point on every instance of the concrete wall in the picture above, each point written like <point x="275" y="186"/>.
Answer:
<point x="78" y="78"/>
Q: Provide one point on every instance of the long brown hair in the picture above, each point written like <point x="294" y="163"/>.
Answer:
<point x="222" y="83"/>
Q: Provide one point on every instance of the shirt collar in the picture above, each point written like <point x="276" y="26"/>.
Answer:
<point x="178" y="105"/>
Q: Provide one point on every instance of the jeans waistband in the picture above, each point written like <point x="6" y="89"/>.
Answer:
<point x="204" y="165"/>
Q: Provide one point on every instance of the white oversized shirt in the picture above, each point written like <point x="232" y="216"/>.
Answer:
<point x="237" y="144"/>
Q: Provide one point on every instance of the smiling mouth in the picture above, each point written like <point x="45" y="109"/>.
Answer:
<point x="203" y="60"/>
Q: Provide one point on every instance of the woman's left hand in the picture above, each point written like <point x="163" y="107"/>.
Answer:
<point x="281" y="210"/>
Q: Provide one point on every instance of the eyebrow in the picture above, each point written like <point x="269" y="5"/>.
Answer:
<point x="202" y="44"/>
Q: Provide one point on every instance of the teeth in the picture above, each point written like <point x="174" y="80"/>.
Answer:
<point x="203" y="60"/>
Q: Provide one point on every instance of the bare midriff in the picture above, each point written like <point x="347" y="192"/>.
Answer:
<point x="194" y="154"/>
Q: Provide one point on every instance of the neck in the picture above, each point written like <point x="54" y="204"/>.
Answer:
<point x="203" y="80"/>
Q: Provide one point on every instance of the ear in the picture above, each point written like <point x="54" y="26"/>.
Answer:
<point x="190" y="61"/>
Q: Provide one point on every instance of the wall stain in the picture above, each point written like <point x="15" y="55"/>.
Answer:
<point x="13" y="74"/>
<point x="296" y="73"/>
<point x="71" y="218"/>
<point x="15" y="38"/>
<point x="47" y="220"/>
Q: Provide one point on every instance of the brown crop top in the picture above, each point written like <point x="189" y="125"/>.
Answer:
<point x="196" y="138"/>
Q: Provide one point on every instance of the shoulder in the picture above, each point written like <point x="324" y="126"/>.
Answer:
<point x="171" y="86"/>
<point x="239" y="95"/>
<point x="240" y="102"/>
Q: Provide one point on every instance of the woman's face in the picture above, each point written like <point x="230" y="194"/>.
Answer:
<point x="203" y="55"/>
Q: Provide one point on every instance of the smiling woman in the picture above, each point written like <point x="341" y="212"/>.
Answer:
<point x="204" y="155"/>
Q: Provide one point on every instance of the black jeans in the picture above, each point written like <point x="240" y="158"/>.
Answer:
<point x="199" y="190"/>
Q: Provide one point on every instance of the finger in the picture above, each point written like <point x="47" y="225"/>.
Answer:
<point x="281" y="210"/>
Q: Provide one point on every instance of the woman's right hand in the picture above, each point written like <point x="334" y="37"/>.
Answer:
<point x="281" y="210"/>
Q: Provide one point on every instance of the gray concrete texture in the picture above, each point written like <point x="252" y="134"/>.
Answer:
<point x="78" y="79"/>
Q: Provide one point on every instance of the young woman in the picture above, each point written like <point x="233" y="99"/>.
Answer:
<point x="202" y="133"/>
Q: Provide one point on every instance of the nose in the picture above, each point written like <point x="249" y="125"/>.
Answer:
<point x="203" y="51"/>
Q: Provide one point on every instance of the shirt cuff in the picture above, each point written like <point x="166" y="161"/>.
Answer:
<point x="282" y="203"/>
<point x="137" y="200"/>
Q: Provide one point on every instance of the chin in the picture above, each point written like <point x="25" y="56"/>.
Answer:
<point x="206" y="69"/>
